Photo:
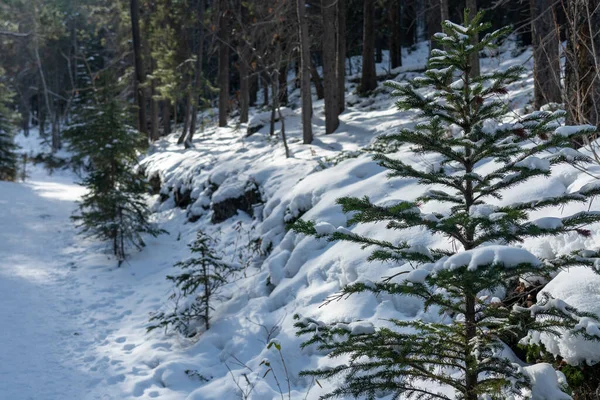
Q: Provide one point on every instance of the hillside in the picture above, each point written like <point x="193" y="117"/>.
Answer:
<point x="244" y="191"/>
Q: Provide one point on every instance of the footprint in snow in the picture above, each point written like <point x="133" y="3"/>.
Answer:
<point x="113" y="380"/>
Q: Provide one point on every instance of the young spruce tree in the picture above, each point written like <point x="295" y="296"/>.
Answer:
<point x="8" y="155"/>
<point x="460" y="122"/>
<point x="200" y="282"/>
<point x="101" y="137"/>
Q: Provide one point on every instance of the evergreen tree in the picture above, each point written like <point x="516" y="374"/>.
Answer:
<point x="200" y="282"/>
<point x="114" y="208"/>
<point x="8" y="155"/>
<point x="459" y="122"/>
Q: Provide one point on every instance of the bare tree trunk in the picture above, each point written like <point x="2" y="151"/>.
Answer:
<point x="187" y="143"/>
<point x="244" y="69"/>
<point x="56" y="144"/>
<point x="475" y="69"/>
<point x="265" y="83"/>
<point x="153" y="108"/>
<point x="41" y="120"/>
<point x="378" y="47"/>
<point x="434" y="22"/>
<point x="244" y="89"/>
<point x="187" y="119"/>
<point x="199" y="52"/>
<point x="332" y="106"/>
<point x="420" y="20"/>
<point x="253" y="88"/>
<point x="283" y="136"/>
<point x="368" y="81"/>
<point x="395" y="26"/>
<point x="25" y="121"/>
<point x="275" y="97"/>
<point x="139" y="66"/>
<point x="582" y="75"/>
<point x="305" y="62"/>
<point x="223" y="63"/>
<point x="276" y="85"/>
<point x="175" y="115"/>
<point x="283" y="90"/>
<point x="341" y="54"/>
<point x="317" y="80"/>
<point x="166" y="117"/>
<point x="36" y="50"/>
<point x="444" y="10"/>
<point x="546" y="71"/>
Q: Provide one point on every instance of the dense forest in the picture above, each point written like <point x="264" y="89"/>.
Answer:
<point x="301" y="199"/>
<point x="174" y="57"/>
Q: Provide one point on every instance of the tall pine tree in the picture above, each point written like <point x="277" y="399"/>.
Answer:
<point x="463" y="356"/>
<point x="114" y="208"/>
<point x="8" y="155"/>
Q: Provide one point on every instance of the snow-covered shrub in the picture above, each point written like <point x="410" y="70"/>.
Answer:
<point x="463" y="354"/>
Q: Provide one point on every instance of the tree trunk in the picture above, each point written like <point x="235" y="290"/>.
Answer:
<point x="42" y="122"/>
<point x="546" y="71"/>
<point x="297" y="68"/>
<point x="420" y="21"/>
<point x="378" y="48"/>
<point x="153" y="109"/>
<point x="582" y="85"/>
<point x="317" y="80"/>
<point x="283" y="89"/>
<point x="444" y="10"/>
<point x="332" y="106"/>
<point x="198" y="48"/>
<point x="265" y="83"/>
<point x="471" y="362"/>
<point x="368" y="81"/>
<point x="56" y="143"/>
<point x="187" y="143"/>
<point x="244" y="88"/>
<point x="25" y="121"/>
<point x="187" y="119"/>
<point x="51" y="114"/>
<point x="305" y="62"/>
<point x="223" y="63"/>
<point x="253" y="88"/>
<point x="244" y="69"/>
<point x="395" y="27"/>
<point x="207" y="294"/>
<point x="166" y="117"/>
<point x="434" y="22"/>
<point x="341" y="54"/>
<point x="475" y="70"/>
<point x="274" y="100"/>
<point x="283" y="136"/>
<point x="139" y="66"/>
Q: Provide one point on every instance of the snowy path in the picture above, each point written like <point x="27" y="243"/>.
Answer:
<point x="38" y="312"/>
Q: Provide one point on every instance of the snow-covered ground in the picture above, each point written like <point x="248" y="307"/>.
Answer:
<point x="39" y="314"/>
<point x="74" y="325"/>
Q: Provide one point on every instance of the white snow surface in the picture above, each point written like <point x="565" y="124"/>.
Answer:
<point x="77" y="323"/>
<point x="580" y="288"/>
<point x="546" y="382"/>
<point x="503" y="256"/>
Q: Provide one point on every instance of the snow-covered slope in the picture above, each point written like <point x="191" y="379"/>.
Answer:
<point x="284" y="273"/>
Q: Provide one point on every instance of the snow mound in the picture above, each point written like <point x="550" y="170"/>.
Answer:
<point x="546" y="383"/>
<point x="578" y="287"/>
<point x="500" y="256"/>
